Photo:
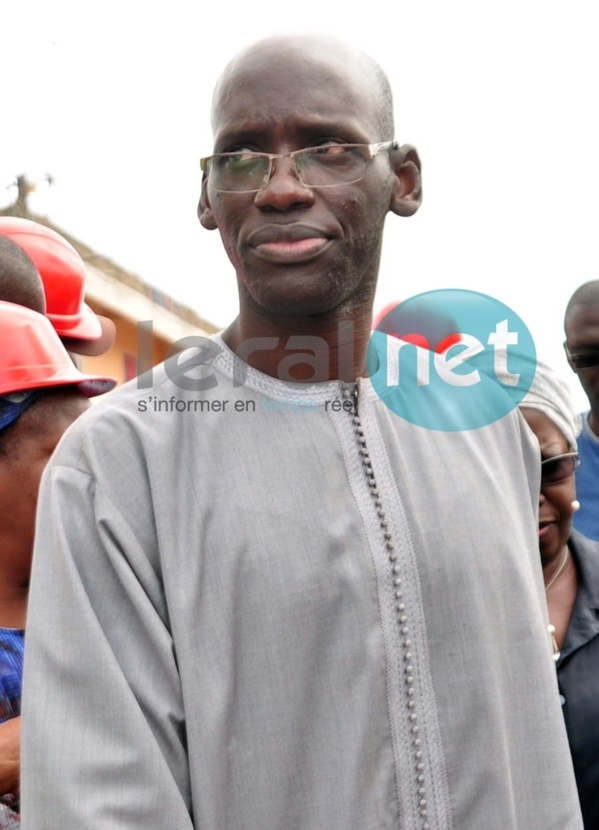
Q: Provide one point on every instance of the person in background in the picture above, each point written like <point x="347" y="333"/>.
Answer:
<point x="63" y="276"/>
<point x="570" y="564"/>
<point x="21" y="284"/>
<point x="581" y="325"/>
<point x="41" y="394"/>
<point x="262" y="599"/>
<point x="20" y="281"/>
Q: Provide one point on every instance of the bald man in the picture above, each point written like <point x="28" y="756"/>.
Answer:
<point x="281" y="605"/>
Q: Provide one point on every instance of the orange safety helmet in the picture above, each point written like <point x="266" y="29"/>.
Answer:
<point x="33" y="357"/>
<point x="64" y="276"/>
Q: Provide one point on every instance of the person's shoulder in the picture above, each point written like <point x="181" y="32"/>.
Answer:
<point x="588" y="442"/>
<point x="584" y="548"/>
<point x="117" y="407"/>
<point x="147" y="411"/>
<point x="110" y="426"/>
<point x="104" y="429"/>
<point x="187" y="368"/>
<point x="585" y="553"/>
<point x="183" y="372"/>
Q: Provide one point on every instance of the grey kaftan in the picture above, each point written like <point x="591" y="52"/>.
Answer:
<point x="277" y="614"/>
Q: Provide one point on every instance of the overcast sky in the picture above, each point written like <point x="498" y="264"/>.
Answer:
<point x="112" y="100"/>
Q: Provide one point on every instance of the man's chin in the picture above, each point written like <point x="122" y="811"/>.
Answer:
<point x="300" y="291"/>
<point x="302" y="304"/>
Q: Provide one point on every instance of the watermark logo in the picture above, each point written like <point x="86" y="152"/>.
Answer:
<point x="451" y="360"/>
<point x="448" y="360"/>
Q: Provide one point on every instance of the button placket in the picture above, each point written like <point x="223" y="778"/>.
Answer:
<point x="350" y="393"/>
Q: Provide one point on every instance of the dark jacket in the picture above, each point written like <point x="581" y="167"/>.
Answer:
<point x="578" y="677"/>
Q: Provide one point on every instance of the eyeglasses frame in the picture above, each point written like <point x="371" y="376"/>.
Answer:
<point x="372" y="150"/>
<point x="553" y="458"/>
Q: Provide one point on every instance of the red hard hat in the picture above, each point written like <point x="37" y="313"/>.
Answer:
<point x="33" y="357"/>
<point x="378" y="317"/>
<point x="416" y="321"/>
<point x="63" y="273"/>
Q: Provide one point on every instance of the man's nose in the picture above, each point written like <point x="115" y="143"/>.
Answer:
<point x="284" y="190"/>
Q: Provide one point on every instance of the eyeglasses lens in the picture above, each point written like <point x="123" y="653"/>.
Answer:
<point x="239" y="171"/>
<point x="324" y="166"/>
<point x="554" y="470"/>
<point x="330" y="165"/>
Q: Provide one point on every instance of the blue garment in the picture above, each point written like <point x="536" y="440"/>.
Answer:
<point x="12" y="643"/>
<point x="586" y="521"/>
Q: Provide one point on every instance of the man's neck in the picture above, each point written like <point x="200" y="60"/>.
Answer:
<point x="594" y="422"/>
<point x="303" y="350"/>
<point x="13" y="604"/>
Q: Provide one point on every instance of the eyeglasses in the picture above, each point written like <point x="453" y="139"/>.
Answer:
<point x="329" y="165"/>
<point x="558" y="468"/>
<point x="582" y="360"/>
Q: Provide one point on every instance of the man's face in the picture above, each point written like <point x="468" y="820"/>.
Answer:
<point x="25" y="463"/>
<point x="300" y="250"/>
<point x="582" y="337"/>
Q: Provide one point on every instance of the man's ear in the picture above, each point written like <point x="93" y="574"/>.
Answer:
<point x="407" y="193"/>
<point x="205" y="214"/>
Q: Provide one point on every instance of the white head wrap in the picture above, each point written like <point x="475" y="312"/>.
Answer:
<point x="550" y="395"/>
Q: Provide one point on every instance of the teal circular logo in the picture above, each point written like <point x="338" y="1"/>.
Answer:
<point x="451" y="359"/>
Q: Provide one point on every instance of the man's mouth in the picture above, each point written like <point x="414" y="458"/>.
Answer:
<point x="288" y="243"/>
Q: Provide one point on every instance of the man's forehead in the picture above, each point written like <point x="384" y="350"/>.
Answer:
<point x="297" y="50"/>
<point x="316" y="67"/>
<point x="582" y="324"/>
<point x="291" y="123"/>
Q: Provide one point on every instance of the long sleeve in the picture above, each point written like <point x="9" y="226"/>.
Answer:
<point x="103" y="709"/>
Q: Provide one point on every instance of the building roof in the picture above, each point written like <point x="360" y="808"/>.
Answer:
<point x="108" y="282"/>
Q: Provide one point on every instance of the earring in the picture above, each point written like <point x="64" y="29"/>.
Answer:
<point x="575" y="505"/>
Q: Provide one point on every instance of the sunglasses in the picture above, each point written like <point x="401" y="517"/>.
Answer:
<point x="583" y="360"/>
<point x="558" y="468"/>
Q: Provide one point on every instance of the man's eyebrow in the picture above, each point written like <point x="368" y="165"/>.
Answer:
<point x="588" y="344"/>
<point x="240" y="136"/>
<point x="305" y="133"/>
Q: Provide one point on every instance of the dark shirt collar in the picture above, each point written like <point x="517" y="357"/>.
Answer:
<point x="584" y="622"/>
